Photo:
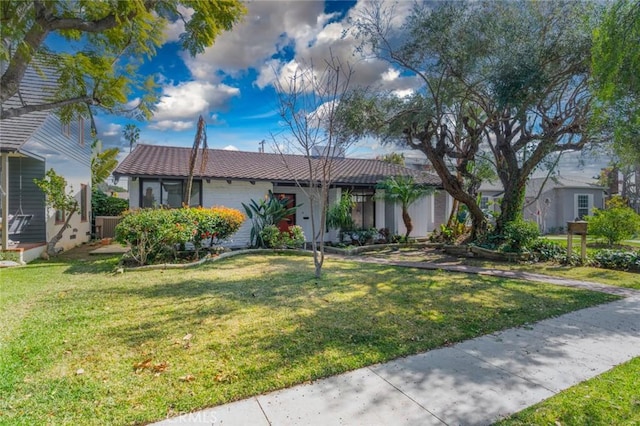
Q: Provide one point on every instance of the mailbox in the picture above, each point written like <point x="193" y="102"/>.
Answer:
<point x="578" y="227"/>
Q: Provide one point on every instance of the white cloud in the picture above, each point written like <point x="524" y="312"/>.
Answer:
<point x="390" y="74"/>
<point x="186" y="101"/>
<point x="175" y="125"/>
<point x="112" y="130"/>
<point x="403" y="93"/>
<point x="174" y="29"/>
<point x="268" y="27"/>
<point x="230" y="148"/>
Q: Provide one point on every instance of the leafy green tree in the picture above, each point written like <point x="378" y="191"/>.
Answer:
<point x="616" y="71"/>
<point x="404" y="190"/>
<point x="54" y="187"/>
<point x="393" y="158"/>
<point x="105" y="205"/>
<point x="506" y="80"/>
<point x="102" y="164"/>
<point x="131" y="134"/>
<point x="114" y="37"/>
<point x="615" y="223"/>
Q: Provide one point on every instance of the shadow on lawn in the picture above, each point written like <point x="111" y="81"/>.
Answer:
<point x="279" y="325"/>
<point x="354" y="309"/>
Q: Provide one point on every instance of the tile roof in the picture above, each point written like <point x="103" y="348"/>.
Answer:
<point x="35" y="88"/>
<point x="166" y="161"/>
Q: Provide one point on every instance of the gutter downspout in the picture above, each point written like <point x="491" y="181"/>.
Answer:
<point x="4" y="196"/>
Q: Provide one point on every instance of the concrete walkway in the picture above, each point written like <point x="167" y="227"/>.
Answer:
<point x="475" y="382"/>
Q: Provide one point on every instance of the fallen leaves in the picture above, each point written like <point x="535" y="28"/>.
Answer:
<point x="148" y="364"/>
<point x="188" y="378"/>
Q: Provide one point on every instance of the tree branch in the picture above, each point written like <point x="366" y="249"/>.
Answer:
<point x="15" y="112"/>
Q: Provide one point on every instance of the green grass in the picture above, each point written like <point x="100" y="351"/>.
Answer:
<point x="256" y="323"/>
<point x="586" y="273"/>
<point x="593" y="243"/>
<point x="611" y="398"/>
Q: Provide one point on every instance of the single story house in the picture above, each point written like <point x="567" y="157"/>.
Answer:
<point x="30" y="144"/>
<point x="157" y="176"/>
<point x="552" y="202"/>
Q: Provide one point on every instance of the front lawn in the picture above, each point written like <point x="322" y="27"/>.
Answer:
<point x="585" y="273"/>
<point x="81" y="345"/>
<point x="609" y="399"/>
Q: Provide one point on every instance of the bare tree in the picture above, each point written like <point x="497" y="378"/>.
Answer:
<point x="309" y="102"/>
<point x="199" y="143"/>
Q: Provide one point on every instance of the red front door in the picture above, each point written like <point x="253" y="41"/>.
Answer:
<point x="290" y="220"/>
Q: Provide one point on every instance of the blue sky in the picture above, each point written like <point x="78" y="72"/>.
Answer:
<point x="232" y="83"/>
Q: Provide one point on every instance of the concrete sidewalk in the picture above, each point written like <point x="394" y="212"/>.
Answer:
<point x="475" y="382"/>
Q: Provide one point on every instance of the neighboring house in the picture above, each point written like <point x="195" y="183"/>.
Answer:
<point x="553" y="202"/>
<point x="157" y="176"/>
<point x="30" y="145"/>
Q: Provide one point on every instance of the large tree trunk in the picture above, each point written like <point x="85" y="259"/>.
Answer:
<point x="512" y="204"/>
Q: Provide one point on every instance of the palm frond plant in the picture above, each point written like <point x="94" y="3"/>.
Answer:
<point x="268" y="211"/>
<point x="404" y="190"/>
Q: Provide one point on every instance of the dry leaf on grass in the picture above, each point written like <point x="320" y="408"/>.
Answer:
<point x="160" y="367"/>
<point x="139" y="366"/>
<point x="187" y="378"/>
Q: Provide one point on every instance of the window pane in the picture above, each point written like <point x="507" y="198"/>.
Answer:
<point x="83" y="202"/>
<point x="150" y="194"/>
<point x="172" y="193"/>
<point x="194" y="200"/>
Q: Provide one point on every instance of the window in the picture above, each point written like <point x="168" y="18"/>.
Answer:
<point x="168" y="193"/>
<point x="83" y="203"/>
<point x="363" y="212"/>
<point x="583" y="205"/>
<point x="66" y="129"/>
<point x="81" y="131"/>
<point x="60" y="216"/>
<point x="484" y="203"/>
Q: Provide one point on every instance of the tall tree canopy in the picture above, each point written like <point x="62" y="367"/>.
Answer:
<point x="113" y="37"/>
<point x="505" y="81"/>
<point x="616" y="70"/>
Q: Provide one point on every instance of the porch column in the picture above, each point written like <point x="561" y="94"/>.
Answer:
<point x="4" y="196"/>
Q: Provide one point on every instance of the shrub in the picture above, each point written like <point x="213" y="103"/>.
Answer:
<point x="545" y="250"/>
<point x="362" y="237"/>
<point x="618" y="259"/>
<point x="214" y="225"/>
<point x="339" y="214"/>
<point x="519" y="235"/>
<point x="274" y="238"/>
<point x="104" y="205"/>
<point x="153" y="234"/>
<point x="616" y="223"/>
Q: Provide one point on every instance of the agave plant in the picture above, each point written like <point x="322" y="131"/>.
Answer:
<point x="268" y="211"/>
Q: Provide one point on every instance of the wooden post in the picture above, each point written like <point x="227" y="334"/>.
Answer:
<point x="577" y="228"/>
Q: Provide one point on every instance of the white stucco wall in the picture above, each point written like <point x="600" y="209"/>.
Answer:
<point x="422" y="217"/>
<point x="221" y="193"/>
